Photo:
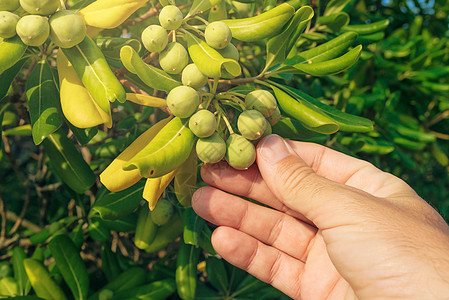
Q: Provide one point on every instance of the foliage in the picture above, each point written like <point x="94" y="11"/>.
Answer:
<point x="89" y="146"/>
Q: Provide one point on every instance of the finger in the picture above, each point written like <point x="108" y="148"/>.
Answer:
<point x="289" y="177"/>
<point x="348" y="170"/>
<point x="267" y="225"/>
<point x="264" y="262"/>
<point x="250" y="184"/>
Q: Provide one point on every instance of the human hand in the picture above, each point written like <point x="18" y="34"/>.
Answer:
<point x="338" y="228"/>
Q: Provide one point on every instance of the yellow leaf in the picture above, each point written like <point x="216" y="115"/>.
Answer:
<point x="109" y="13"/>
<point x="114" y="178"/>
<point x="77" y="104"/>
<point x="146" y="100"/>
<point x="154" y="187"/>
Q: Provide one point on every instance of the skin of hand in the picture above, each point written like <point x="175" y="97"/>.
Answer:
<point x="332" y="226"/>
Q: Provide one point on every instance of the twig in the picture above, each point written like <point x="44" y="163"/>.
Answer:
<point x="150" y="13"/>
<point x="25" y="223"/>
<point x="3" y="215"/>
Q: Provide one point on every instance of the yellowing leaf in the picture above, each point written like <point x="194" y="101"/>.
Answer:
<point x="154" y="187"/>
<point x="109" y="13"/>
<point x="146" y="100"/>
<point x="77" y="104"/>
<point x="114" y="178"/>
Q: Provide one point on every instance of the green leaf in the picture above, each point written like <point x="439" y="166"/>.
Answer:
<point x="186" y="266"/>
<point x="125" y="281"/>
<point x="310" y="116"/>
<point x="43" y="285"/>
<point x="365" y="29"/>
<point x="419" y="136"/>
<point x="335" y="6"/>
<point x="7" y="77"/>
<point x="5" y="269"/>
<point x="77" y="235"/>
<point x="216" y="273"/>
<point x="116" y="205"/>
<point x="11" y="51"/>
<point x="375" y="37"/>
<point x="279" y="46"/>
<point x="83" y="135"/>
<point x="43" y="101"/>
<point x="68" y="163"/>
<point x="345" y="121"/>
<point x="292" y="129"/>
<point x="332" y="66"/>
<point x="95" y="73"/>
<point x="193" y="226"/>
<point x="125" y="224"/>
<point x="18" y="256"/>
<point x="111" y="47"/>
<point x="167" y="151"/>
<point x="199" y="6"/>
<point x="97" y="232"/>
<point x="70" y="264"/>
<point x="326" y="51"/>
<point x="334" y="21"/>
<point x="158" y="290"/>
<point x="24" y="130"/>
<point x="152" y="76"/>
<point x="210" y="62"/>
<point x="8" y="287"/>
<point x="109" y="262"/>
<point x="205" y="241"/>
<point x="249" y="284"/>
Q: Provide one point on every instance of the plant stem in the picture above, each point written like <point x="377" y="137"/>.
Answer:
<point x="215" y="86"/>
<point x="223" y="115"/>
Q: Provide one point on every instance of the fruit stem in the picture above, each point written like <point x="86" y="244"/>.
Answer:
<point x="215" y="86"/>
<point x="223" y="115"/>
<point x="201" y="19"/>
<point x="193" y="28"/>
<point x="174" y="36"/>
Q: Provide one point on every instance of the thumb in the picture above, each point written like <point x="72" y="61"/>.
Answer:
<point x="298" y="187"/>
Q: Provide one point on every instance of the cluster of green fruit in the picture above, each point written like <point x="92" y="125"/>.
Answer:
<point x="259" y="107"/>
<point x="65" y="28"/>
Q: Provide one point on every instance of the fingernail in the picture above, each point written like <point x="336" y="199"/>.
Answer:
<point x="273" y="148"/>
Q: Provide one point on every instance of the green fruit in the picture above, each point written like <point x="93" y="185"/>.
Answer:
<point x="33" y="30"/>
<point x="192" y="76"/>
<point x="218" y="35"/>
<point x="174" y="58"/>
<point x="240" y="153"/>
<point x="67" y="29"/>
<point x="40" y="7"/>
<point x="211" y="149"/>
<point x="154" y="38"/>
<point x="8" y="23"/>
<point x="275" y="117"/>
<point x="170" y="17"/>
<point x="162" y="213"/>
<point x="183" y="101"/>
<point x="251" y="124"/>
<point x="9" y="5"/>
<point x="203" y="123"/>
<point x="262" y="101"/>
<point x="230" y="51"/>
<point x="268" y="131"/>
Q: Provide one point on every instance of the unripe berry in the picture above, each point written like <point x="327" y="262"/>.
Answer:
<point x="251" y="124"/>
<point x="203" y="123"/>
<point x="67" y="29"/>
<point x="192" y="76"/>
<point x="9" y="5"/>
<point x="174" y="58"/>
<point x="211" y="149"/>
<point x="218" y="35"/>
<point x="154" y="38"/>
<point x="170" y="17"/>
<point x="275" y="117"/>
<point x="8" y="23"/>
<point x="240" y="153"/>
<point x="162" y="213"/>
<point x="40" y="7"/>
<point x="33" y="30"/>
<point x="262" y="101"/>
<point x="183" y="101"/>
